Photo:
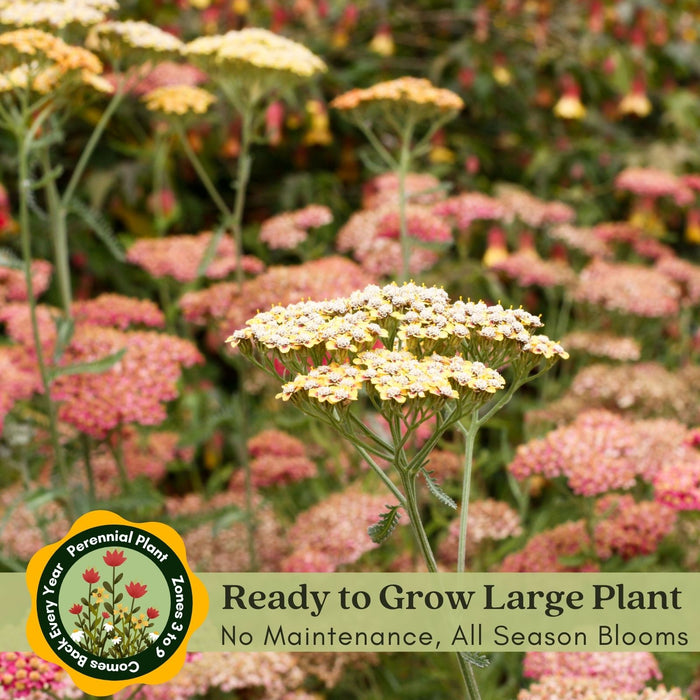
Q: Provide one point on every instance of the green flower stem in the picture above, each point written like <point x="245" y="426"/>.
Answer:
<point x="202" y="173"/>
<point x="404" y="166"/>
<point x="59" y="238"/>
<point x="23" y="143"/>
<point x="242" y="178"/>
<point x="90" y="146"/>
<point x="409" y="486"/>
<point x="469" y="438"/>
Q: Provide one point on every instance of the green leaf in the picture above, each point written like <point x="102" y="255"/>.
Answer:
<point x="64" y="334"/>
<point x="118" y="578"/>
<point x="10" y="260"/>
<point x="387" y="522"/>
<point x="475" y="659"/>
<point x="109" y="608"/>
<point x="84" y="602"/>
<point x="96" y="367"/>
<point x="119" y="598"/>
<point x="135" y="610"/>
<point x="101" y="228"/>
<point x="108" y="587"/>
<point x="436" y="489"/>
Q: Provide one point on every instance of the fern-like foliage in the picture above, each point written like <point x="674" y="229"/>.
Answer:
<point x="436" y="490"/>
<point x="388" y="520"/>
<point x="101" y="228"/>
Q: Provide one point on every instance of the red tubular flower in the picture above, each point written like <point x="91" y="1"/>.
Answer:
<point x="152" y="613"/>
<point x="136" y="590"/>
<point x="91" y="576"/>
<point x="106" y="615"/>
<point x="76" y="609"/>
<point x="114" y="558"/>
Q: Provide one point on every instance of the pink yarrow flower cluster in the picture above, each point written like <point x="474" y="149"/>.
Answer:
<point x="372" y="236"/>
<point x="532" y="211"/>
<point x="420" y="188"/>
<point x="575" y="688"/>
<point x="347" y="515"/>
<point x="601" y="451"/>
<point x="133" y="390"/>
<point x="468" y="207"/>
<point x="277" y="458"/>
<point x="20" y="378"/>
<point x="13" y="285"/>
<point x="652" y="183"/>
<point x="118" y="311"/>
<point x="623" y="671"/>
<point x="180" y="256"/>
<point x="489" y="519"/>
<point x="287" y="231"/>
<point x="28" y="676"/>
<point x="628" y="289"/>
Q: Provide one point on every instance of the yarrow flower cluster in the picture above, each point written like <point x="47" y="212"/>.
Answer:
<point x="347" y="515"/>
<point x="35" y="60"/>
<point x="420" y="188"/>
<point x="628" y="289"/>
<point x="255" y="54"/>
<point x="404" y="94"/>
<point x="277" y="458"/>
<point x="601" y="451"/>
<point x="489" y="519"/>
<point x="132" y="40"/>
<point x="287" y="231"/>
<point x="180" y="257"/>
<point x="535" y="212"/>
<point x="178" y="100"/>
<point x="468" y="207"/>
<point x="118" y="311"/>
<point x="586" y="688"/>
<point x="54" y="13"/>
<point x="421" y="318"/>
<point x="13" y="284"/>
<point x="27" y="676"/>
<point x="372" y="237"/>
<point x="622" y="671"/>
<point x="597" y="344"/>
<point x="652" y="183"/>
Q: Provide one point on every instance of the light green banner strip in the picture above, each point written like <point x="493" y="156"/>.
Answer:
<point x="429" y="612"/>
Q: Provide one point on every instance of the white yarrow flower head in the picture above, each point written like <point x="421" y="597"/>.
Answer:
<point x="116" y="641"/>
<point x="153" y="636"/>
<point x="108" y="627"/>
<point x="78" y="635"/>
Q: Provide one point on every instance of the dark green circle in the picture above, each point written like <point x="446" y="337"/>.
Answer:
<point x="148" y="660"/>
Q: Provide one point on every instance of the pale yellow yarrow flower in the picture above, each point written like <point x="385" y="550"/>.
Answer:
<point x="179" y="100"/>
<point x="257" y="49"/>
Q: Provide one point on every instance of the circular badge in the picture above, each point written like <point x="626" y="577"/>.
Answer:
<point x="114" y="603"/>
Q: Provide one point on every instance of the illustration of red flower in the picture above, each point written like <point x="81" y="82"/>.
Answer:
<point x="152" y="613"/>
<point x="105" y="615"/>
<point x="91" y="576"/>
<point x="136" y="590"/>
<point x="114" y="558"/>
<point x="76" y="609"/>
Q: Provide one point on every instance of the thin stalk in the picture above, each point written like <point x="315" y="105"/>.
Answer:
<point x="409" y="486"/>
<point x="242" y="177"/>
<point x="25" y="236"/>
<point x="90" y="146"/>
<point x="59" y="236"/>
<point x="89" y="473"/>
<point x="470" y="438"/>
<point x="404" y="165"/>
<point x="202" y="173"/>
